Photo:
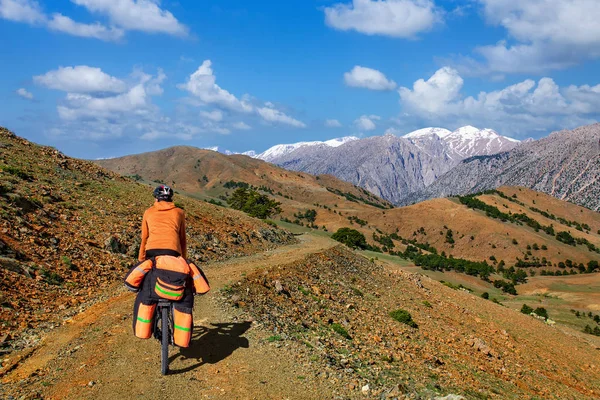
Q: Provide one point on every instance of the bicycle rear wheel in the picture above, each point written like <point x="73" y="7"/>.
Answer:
<point x="164" y="355"/>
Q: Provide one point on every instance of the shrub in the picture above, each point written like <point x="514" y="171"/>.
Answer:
<point x="339" y="329"/>
<point x="526" y="309"/>
<point x="427" y="304"/>
<point x="404" y="317"/>
<point x="541" y="311"/>
<point x="253" y="203"/>
<point x="274" y="338"/>
<point x="485" y="295"/>
<point x="515" y="242"/>
<point x="351" y="238"/>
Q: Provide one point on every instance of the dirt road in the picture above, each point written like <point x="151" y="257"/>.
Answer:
<point x="95" y="355"/>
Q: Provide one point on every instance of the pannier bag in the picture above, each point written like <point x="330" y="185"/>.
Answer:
<point x="168" y="278"/>
<point x="143" y="320"/>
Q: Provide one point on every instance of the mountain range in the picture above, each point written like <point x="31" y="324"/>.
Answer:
<point x="565" y="164"/>
<point x="389" y="166"/>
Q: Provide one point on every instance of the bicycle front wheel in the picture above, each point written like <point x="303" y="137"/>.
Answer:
<point x="164" y="355"/>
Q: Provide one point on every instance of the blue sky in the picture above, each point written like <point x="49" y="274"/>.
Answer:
<point x="103" y="78"/>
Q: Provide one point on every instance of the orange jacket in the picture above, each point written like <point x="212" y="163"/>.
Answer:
<point x="163" y="227"/>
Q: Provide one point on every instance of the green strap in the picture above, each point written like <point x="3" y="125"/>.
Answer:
<point x="181" y="328"/>
<point x="147" y="321"/>
<point x="166" y="292"/>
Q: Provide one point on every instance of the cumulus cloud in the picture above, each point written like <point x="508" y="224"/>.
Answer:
<point x="548" y="35"/>
<point x="272" y="115"/>
<point x="80" y="79"/>
<point x="521" y="108"/>
<point x="96" y="30"/>
<point x="365" y="122"/>
<point x="368" y="78"/>
<point x="27" y="11"/>
<point x="202" y="85"/>
<point x="123" y="15"/>
<point x="333" y="123"/>
<point x="136" y="15"/>
<point x="434" y="94"/>
<point x="24" y="94"/>
<point x="214" y="115"/>
<point x="396" y="18"/>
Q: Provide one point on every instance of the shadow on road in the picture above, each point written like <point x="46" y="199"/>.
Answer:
<point x="209" y="345"/>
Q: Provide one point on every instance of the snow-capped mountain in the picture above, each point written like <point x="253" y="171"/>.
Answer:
<point x="465" y="142"/>
<point x="427" y="132"/>
<point x="281" y="150"/>
<point x="390" y="166"/>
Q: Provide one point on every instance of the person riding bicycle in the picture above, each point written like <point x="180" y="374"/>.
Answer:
<point x="163" y="227"/>
<point x="162" y="271"/>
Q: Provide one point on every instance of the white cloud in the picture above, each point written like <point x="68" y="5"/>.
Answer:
<point x="80" y="79"/>
<point x="549" y="34"/>
<point x="96" y="30"/>
<point x="396" y="18"/>
<point x="521" y="108"/>
<point x="434" y="94"/>
<point x="333" y="123"/>
<point x="202" y="85"/>
<point x="241" y="126"/>
<point x="365" y="122"/>
<point x="28" y="11"/>
<point x="273" y="115"/>
<point x="123" y="15"/>
<point x="24" y="94"/>
<point x="78" y="105"/>
<point x="214" y="115"/>
<point x="138" y="15"/>
<point x="368" y="78"/>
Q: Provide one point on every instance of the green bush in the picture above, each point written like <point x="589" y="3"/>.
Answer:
<point x="526" y="309"/>
<point x="404" y="317"/>
<point x="541" y="311"/>
<point x="485" y="295"/>
<point x="253" y="203"/>
<point x="351" y="238"/>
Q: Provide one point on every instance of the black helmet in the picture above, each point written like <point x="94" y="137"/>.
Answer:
<point x="163" y="193"/>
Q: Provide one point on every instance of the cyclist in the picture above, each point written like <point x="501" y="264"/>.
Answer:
<point x="162" y="271"/>
<point x="163" y="227"/>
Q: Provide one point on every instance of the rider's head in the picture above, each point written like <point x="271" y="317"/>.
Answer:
<point x="163" y="193"/>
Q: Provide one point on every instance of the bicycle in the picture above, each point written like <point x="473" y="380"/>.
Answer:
<point x="163" y="322"/>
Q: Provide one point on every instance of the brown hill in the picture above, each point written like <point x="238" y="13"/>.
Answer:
<point x="68" y="228"/>
<point x="207" y="173"/>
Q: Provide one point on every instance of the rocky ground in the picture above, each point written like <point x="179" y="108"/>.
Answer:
<point x="69" y="228"/>
<point x="334" y="308"/>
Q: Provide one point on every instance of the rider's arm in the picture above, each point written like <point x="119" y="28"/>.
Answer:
<point x="182" y="239"/>
<point x="142" y="255"/>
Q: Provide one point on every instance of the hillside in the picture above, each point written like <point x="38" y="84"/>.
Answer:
<point x="211" y="175"/>
<point x="565" y="164"/>
<point x="333" y="310"/>
<point x="69" y="229"/>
